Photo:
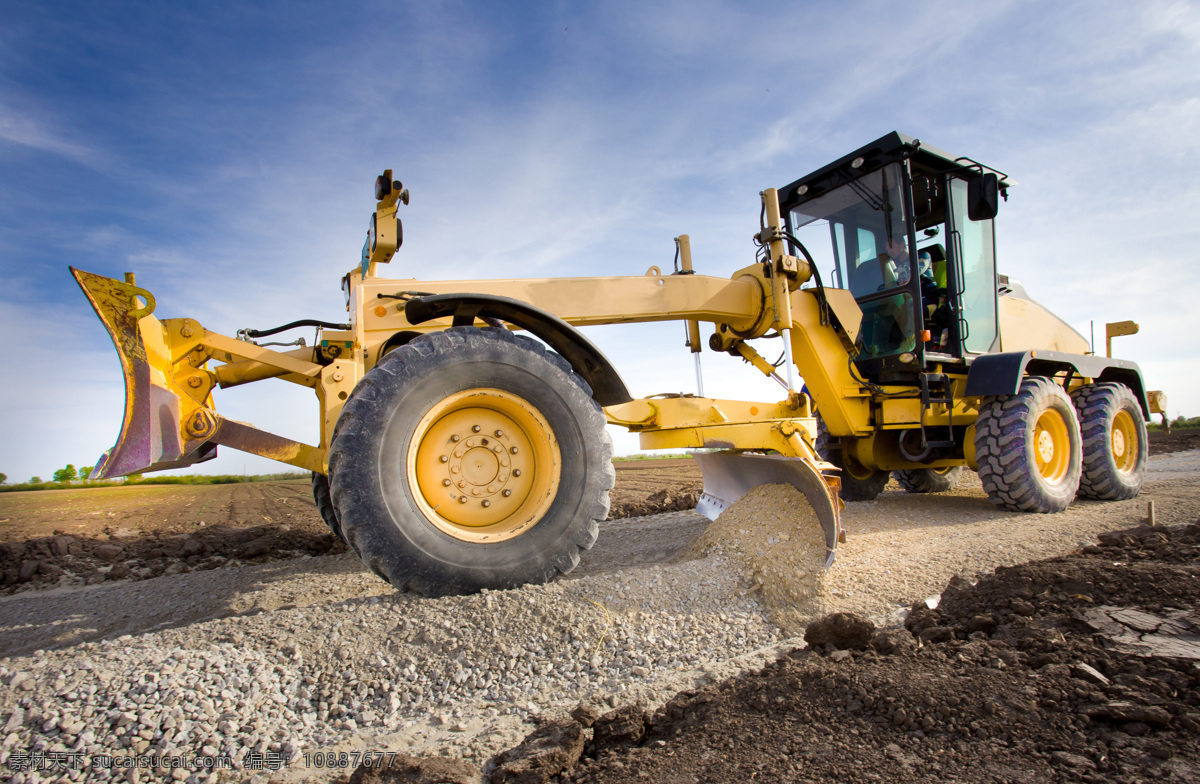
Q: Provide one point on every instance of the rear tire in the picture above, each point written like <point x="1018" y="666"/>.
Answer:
<point x="1028" y="448"/>
<point x="858" y="483"/>
<point x="471" y="459"/>
<point x="928" y="480"/>
<point x="320" y="489"/>
<point x="1115" y="443"/>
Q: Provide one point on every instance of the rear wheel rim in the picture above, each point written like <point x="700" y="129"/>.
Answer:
<point x="855" y="470"/>
<point x="484" y="465"/>
<point x="1052" y="446"/>
<point x="1124" y="443"/>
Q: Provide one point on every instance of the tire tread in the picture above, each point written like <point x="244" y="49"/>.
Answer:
<point x="927" y="480"/>
<point x="360" y="417"/>
<point x="1097" y="406"/>
<point x="1006" y="466"/>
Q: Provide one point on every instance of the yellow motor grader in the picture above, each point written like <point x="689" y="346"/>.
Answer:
<point x="463" y="441"/>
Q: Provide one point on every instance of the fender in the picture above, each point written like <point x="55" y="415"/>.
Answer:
<point x="1001" y="374"/>
<point x="588" y="361"/>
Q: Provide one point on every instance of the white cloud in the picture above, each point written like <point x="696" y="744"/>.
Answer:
<point x="24" y="130"/>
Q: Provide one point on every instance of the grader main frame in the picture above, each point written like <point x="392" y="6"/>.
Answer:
<point x="457" y="454"/>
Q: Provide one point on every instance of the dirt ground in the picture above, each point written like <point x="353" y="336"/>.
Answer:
<point x="52" y="537"/>
<point x="647" y="487"/>
<point x="61" y="537"/>
<point x="1083" y="668"/>
<point x="1176" y="441"/>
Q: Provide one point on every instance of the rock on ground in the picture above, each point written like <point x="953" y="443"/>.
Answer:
<point x="546" y="752"/>
<point x="844" y="631"/>
<point x="403" y="769"/>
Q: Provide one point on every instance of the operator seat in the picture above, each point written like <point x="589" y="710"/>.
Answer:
<point x="867" y="278"/>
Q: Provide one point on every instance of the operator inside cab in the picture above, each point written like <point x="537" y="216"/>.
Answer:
<point x="893" y="224"/>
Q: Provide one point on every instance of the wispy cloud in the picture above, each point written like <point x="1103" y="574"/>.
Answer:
<point x="23" y="130"/>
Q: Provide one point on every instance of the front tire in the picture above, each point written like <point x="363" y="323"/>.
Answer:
<point x="858" y="483"/>
<point x="471" y="459"/>
<point x="1028" y="448"/>
<point x="1115" y="443"/>
<point x="320" y="490"/>
<point x="928" y="480"/>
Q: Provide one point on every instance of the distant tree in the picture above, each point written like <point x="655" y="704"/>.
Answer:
<point x="85" y="472"/>
<point x="3" y="478"/>
<point x="132" y="477"/>
<point x="66" y="474"/>
<point x="35" y="480"/>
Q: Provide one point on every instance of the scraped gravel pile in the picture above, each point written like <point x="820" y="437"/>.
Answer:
<point x="775" y="542"/>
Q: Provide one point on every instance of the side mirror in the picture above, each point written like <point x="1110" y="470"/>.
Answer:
<point x="983" y="197"/>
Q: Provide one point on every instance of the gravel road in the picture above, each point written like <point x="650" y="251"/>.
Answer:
<point x="279" y="659"/>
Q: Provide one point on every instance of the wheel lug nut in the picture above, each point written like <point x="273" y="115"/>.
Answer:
<point x="499" y="434"/>
<point x="445" y="483"/>
<point x="516" y="472"/>
<point x="506" y="493"/>
<point x="444" y="459"/>
<point x="514" y="450"/>
<point x="475" y="428"/>
<point x="455" y="438"/>
<point x="486" y="503"/>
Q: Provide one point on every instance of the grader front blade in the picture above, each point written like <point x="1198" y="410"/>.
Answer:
<point x="730" y="475"/>
<point x="151" y="437"/>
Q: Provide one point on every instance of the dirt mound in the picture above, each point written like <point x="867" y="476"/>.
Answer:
<point x="1010" y="683"/>
<point x="656" y="503"/>
<point x="842" y="631"/>
<point x="774" y="536"/>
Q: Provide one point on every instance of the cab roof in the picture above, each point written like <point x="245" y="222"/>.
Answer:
<point x="890" y="148"/>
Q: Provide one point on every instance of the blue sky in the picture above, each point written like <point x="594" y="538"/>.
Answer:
<point x="225" y="152"/>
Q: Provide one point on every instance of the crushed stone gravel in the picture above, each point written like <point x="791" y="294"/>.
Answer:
<point x="316" y="654"/>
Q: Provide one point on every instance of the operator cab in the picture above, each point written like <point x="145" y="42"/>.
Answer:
<point x="908" y="230"/>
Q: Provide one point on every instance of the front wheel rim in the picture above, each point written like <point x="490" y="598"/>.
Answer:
<point x="484" y="465"/>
